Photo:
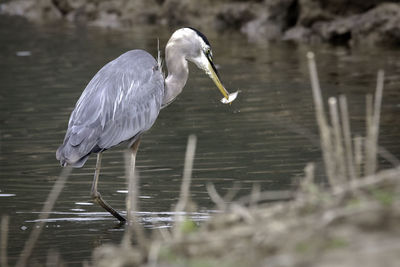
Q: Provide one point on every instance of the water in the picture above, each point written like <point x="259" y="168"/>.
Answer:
<point x="266" y="136"/>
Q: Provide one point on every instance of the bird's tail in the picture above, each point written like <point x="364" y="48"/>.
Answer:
<point x="67" y="157"/>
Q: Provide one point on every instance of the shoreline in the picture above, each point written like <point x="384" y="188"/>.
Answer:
<point x="342" y="22"/>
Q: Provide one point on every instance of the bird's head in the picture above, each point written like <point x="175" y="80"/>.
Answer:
<point x="197" y="49"/>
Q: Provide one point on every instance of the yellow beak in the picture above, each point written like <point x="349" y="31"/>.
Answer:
<point x="214" y="76"/>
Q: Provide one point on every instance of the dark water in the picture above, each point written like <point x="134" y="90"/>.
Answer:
<point x="266" y="137"/>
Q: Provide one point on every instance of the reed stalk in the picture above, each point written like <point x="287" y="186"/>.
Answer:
<point x="358" y="155"/>
<point x="339" y="160"/>
<point x="325" y="134"/>
<point x="54" y="259"/>
<point x="44" y="214"/>
<point x="368" y="138"/>
<point x="373" y="129"/>
<point x="132" y="204"/>
<point x="215" y="197"/>
<point x="351" y="173"/>
<point x="337" y="149"/>
<point x="4" y="240"/>
<point x="184" y="197"/>
<point x="309" y="178"/>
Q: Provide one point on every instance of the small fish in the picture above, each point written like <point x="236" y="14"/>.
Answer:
<point x="230" y="99"/>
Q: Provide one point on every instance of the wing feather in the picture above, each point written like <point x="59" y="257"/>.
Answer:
<point x="121" y="101"/>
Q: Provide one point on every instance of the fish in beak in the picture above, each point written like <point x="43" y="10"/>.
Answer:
<point x="213" y="73"/>
<point x="205" y="62"/>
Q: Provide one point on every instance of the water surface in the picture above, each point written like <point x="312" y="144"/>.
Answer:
<point x="265" y="137"/>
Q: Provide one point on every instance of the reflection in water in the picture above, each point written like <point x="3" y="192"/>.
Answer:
<point x="150" y="220"/>
<point x="7" y="195"/>
<point x="265" y="137"/>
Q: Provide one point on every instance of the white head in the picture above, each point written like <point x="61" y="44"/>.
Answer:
<point x="188" y="44"/>
<point x="193" y="45"/>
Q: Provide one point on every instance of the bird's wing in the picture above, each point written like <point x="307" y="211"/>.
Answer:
<point x="122" y="100"/>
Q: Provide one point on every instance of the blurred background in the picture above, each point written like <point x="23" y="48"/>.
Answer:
<point x="344" y="22"/>
<point x="49" y="51"/>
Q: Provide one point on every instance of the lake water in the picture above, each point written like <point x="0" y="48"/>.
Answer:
<point x="265" y="137"/>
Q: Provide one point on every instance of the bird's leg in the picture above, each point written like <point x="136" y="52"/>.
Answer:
<point x="132" y="181"/>
<point x="134" y="150"/>
<point x="96" y="195"/>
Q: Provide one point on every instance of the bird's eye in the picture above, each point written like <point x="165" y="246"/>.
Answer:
<point x="209" y="54"/>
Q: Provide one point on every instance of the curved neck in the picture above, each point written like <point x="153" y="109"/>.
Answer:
<point x="177" y="73"/>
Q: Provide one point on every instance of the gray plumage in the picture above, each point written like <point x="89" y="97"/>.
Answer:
<point x="121" y="101"/>
<point x="124" y="98"/>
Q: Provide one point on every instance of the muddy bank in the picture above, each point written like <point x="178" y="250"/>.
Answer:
<point x="349" y="226"/>
<point x="349" y="220"/>
<point x="344" y="22"/>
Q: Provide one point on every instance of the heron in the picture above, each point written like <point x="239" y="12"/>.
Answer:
<point x="124" y="98"/>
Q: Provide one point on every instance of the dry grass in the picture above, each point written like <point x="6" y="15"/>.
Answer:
<point x="44" y="214"/>
<point x="350" y="222"/>
<point x="4" y="238"/>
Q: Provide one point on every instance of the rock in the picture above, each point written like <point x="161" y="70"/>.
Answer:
<point x="348" y="7"/>
<point x="234" y="16"/>
<point x="301" y="34"/>
<point x="311" y="12"/>
<point x="141" y="12"/>
<point x="377" y="26"/>
<point x="107" y="20"/>
<point x="38" y="11"/>
<point x="64" y="6"/>
<point x="272" y="19"/>
<point x="348" y="22"/>
<point x="180" y="13"/>
<point x="175" y="12"/>
<point x="337" y="31"/>
<point x="262" y="29"/>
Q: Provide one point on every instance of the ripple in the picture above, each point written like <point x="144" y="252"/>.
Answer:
<point x="148" y="219"/>
<point x="84" y="203"/>
<point x="7" y="195"/>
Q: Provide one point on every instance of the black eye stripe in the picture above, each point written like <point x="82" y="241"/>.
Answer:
<point x="209" y="54"/>
<point x="201" y="35"/>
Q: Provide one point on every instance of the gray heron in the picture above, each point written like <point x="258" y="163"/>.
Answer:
<point x="124" y="98"/>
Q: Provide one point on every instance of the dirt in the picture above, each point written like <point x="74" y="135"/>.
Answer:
<point x="339" y="22"/>
<point x="354" y="225"/>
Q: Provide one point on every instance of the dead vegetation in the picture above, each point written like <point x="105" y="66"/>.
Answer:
<point x="351" y="220"/>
